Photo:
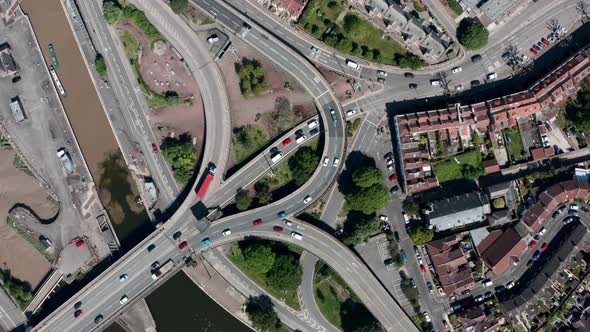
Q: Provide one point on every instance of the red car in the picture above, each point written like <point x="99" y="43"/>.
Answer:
<point x="257" y="222"/>
<point x="77" y="313"/>
<point x="446" y="325"/>
<point x="534" y="51"/>
<point x="278" y="229"/>
<point x="544" y="247"/>
<point x="155" y="148"/>
<point x="532" y="244"/>
<point x="183" y="245"/>
<point x="423" y="268"/>
<point x="79" y="243"/>
<point x="393" y="177"/>
<point x="545" y="41"/>
<point x="287" y="141"/>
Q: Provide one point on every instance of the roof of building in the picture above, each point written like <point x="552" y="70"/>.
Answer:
<point x="491" y="166"/>
<point x="17" y="111"/>
<point x="395" y="16"/>
<point x="450" y="264"/>
<point x="457" y="211"/>
<point x="478" y="234"/>
<point x="502" y="245"/>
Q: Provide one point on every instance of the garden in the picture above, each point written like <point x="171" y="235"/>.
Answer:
<point x="466" y="165"/>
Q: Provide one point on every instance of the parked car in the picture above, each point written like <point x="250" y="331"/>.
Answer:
<point x="475" y="83"/>
<point x="542" y="231"/>
<point x="510" y="285"/>
<point x="183" y="245"/>
<point x="16" y="79"/>
<point x="430" y="287"/>
<point x="393" y="177"/>
<point x="77" y="313"/>
<point x="396" y="237"/>
<point x="287" y="141"/>
<point x="151" y="247"/>
<point x="382" y="73"/>
<point x="532" y="244"/>
<point x="394" y="189"/>
<point x="476" y="58"/>
<point x="413" y="86"/>
<point x="492" y="76"/>
<point x="404" y="257"/>
<point x="534" y="51"/>
<point x="98" y="319"/>
<point x="336" y="162"/>
<point x="124" y="299"/>
<point x="544" y="247"/>
<point x="350" y="112"/>
<point x="176" y="235"/>
<point x="282" y="214"/>
<point x="422" y="268"/>
<point x="408" y="75"/>
<point x="459" y="87"/>
<point x="479" y="298"/>
<point x="545" y="41"/>
<point x="412" y="283"/>
<point x="326" y="161"/>
<point x="536" y="256"/>
<point x="426" y="317"/>
<point x="384" y="218"/>
<point x="487" y="283"/>
<point x="456" y="70"/>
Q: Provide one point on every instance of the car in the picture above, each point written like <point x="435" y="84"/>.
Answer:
<point x="183" y="245"/>
<point x="336" y="162"/>
<point x="555" y="214"/>
<point x="287" y="141"/>
<point x="314" y="131"/>
<point x="408" y="75"/>
<point x="78" y="305"/>
<point x="206" y="241"/>
<point x="98" y="319"/>
<point x="412" y="283"/>
<point x="573" y="213"/>
<point x="155" y="265"/>
<point x="307" y="199"/>
<point x="124" y="299"/>
<point x="523" y="59"/>
<point x="567" y="220"/>
<point x="574" y="207"/>
<point x="529" y="263"/>
<point x="510" y="285"/>
<point x="551" y="38"/>
<point x="390" y="168"/>
<point x="430" y="287"/>
<point x="534" y="51"/>
<point x="257" y="222"/>
<point x="338" y="232"/>
<point x="404" y="257"/>
<point x="383" y="218"/>
<point x="413" y="86"/>
<point x="300" y="139"/>
<point x="475" y="83"/>
<point x="315" y="50"/>
<point x="537" y="48"/>
<point x="282" y="214"/>
<point x="435" y="82"/>
<point x="446" y="325"/>
<point x="492" y="76"/>
<point x="312" y="124"/>
<point x="459" y="87"/>
<point x="151" y="247"/>
<point x="545" y="41"/>
<point x="422" y="268"/>
<point x="176" y="235"/>
<point x="394" y="189"/>
<point x="79" y="243"/>
<point x="393" y="177"/>
<point x="277" y="229"/>
<point x="476" y="58"/>
<point x="380" y="80"/>
<point x="479" y="298"/>
<point x="296" y="236"/>
<point x="407" y="219"/>
<point x="351" y="112"/>
<point x="123" y="277"/>
<point x="326" y="161"/>
<point x="381" y="73"/>
<point x="78" y="313"/>
<point x="16" y="79"/>
<point x="426" y="317"/>
<point x="287" y="222"/>
<point x="487" y="283"/>
<point x="396" y="236"/>
<point x="536" y="256"/>
<point x="544" y="247"/>
<point x="155" y="148"/>
<point x="542" y="231"/>
<point x="488" y="295"/>
<point x="456" y="70"/>
<point x="390" y="161"/>
<point x="532" y="244"/>
<point x="388" y="155"/>
<point x="561" y="209"/>
<point x="333" y="115"/>
<point x="541" y="45"/>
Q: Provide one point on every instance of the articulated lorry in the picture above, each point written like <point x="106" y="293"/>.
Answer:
<point x="160" y="271"/>
<point x="206" y="181"/>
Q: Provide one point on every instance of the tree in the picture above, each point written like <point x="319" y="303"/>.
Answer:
<point x="263" y="194"/>
<point x="285" y="272"/>
<point x="251" y="75"/>
<point x="259" y="257"/>
<point x="512" y="56"/>
<point x="411" y="206"/>
<point x="579" y="110"/>
<point x="421" y="235"/>
<point x="367" y="176"/>
<point x="180" y="154"/>
<point x="178" y="6"/>
<point x="499" y="203"/>
<point x="444" y="82"/>
<point x="553" y="26"/>
<point x="361" y="230"/>
<point x="100" y="65"/>
<point x="582" y="9"/>
<point x="470" y="172"/>
<point x="408" y="60"/>
<point x="472" y="34"/>
<point x="368" y="200"/>
<point x="369" y="326"/>
<point x="112" y="12"/>
<point x="243" y="200"/>
<point x="263" y="316"/>
<point x="303" y="164"/>
<point x="284" y="116"/>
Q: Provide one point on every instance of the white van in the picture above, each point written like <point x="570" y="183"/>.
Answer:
<point x="352" y="64"/>
<point x="312" y="124"/>
<point x="435" y="82"/>
<point x="276" y="157"/>
<point x="296" y="236"/>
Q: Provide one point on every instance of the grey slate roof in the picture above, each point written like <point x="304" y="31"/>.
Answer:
<point x="457" y="211"/>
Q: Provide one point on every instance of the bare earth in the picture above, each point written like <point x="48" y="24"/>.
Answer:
<point x="167" y="73"/>
<point x="16" y="254"/>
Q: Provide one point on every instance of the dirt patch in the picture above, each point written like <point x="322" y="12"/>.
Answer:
<point x="17" y="255"/>
<point x="164" y="71"/>
<point x="339" y="84"/>
<point x="251" y="110"/>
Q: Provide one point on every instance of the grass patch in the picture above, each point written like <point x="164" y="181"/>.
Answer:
<point x="452" y="168"/>
<point x="329" y="302"/>
<point x="131" y="44"/>
<point x="455" y="7"/>
<point x="418" y="6"/>
<point x="515" y="147"/>
<point x="319" y="16"/>
<point x="261" y="279"/>
<point x="248" y="140"/>
<point x="283" y="174"/>
<point x="39" y="246"/>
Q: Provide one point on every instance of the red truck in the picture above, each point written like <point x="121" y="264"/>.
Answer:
<point x="206" y="181"/>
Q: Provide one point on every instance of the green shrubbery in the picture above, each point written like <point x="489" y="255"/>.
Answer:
<point x="181" y="156"/>
<point x="100" y="65"/>
<point x="19" y="290"/>
<point x="472" y="34"/>
<point x="114" y="13"/>
<point x="252" y="82"/>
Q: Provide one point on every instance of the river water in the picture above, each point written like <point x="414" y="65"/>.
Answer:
<point x="178" y="305"/>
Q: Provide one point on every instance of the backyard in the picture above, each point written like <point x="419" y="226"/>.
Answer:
<point x="461" y="166"/>
<point x="514" y="144"/>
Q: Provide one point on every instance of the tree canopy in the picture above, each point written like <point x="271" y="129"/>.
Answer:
<point x="112" y="12"/>
<point x="180" y="155"/>
<point x="285" y="271"/>
<point x="259" y="257"/>
<point x="263" y="193"/>
<point x="472" y="34"/>
<point x="178" y="6"/>
<point x="303" y="164"/>
<point x="264" y="318"/>
<point x="579" y="110"/>
<point x="368" y="200"/>
<point x="361" y="230"/>
<point x="243" y="200"/>
<point x="100" y="65"/>
<point x="411" y="206"/>
<point x="421" y="235"/>
<point x="367" y="176"/>
<point x="252" y="80"/>
<point x="499" y="203"/>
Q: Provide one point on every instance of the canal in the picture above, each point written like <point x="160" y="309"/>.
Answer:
<point x="178" y="305"/>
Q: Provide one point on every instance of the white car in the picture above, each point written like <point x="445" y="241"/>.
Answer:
<point x="333" y="115"/>
<point x="381" y="73"/>
<point x="427" y="318"/>
<point x="459" y="87"/>
<point x="312" y="124"/>
<point x="296" y="236"/>
<point x="510" y="285"/>
<point x="383" y="218"/>
<point x="406" y="217"/>
<point x="326" y="161"/>
<point x="542" y="231"/>
<point x="487" y="283"/>
<point x="226" y="232"/>
<point x="492" y="76"/>
<point x="389" y="161"/>
<point x="435" y="82"/>
<point x="336" y="162"/>
<point x="287" y="222"/>
<point x="456" y="70"/>
<point x="300" y="139"/>
<point x="124" y="299"/>
<point x="390" y="168"/>
<point x="351" y="113"/>
<point x="315" y="50"/>
<point x="307" y="199"/>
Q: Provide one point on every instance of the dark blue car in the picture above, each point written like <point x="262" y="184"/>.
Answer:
<point x="403" y="254"/>
<point x="536" y="255"/>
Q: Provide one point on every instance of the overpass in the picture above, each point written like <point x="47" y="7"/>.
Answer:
<point x="100" y="298"/>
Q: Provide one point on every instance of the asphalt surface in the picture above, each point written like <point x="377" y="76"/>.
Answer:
<point x="10" y="315"/>
<point x="307" y="294"/>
